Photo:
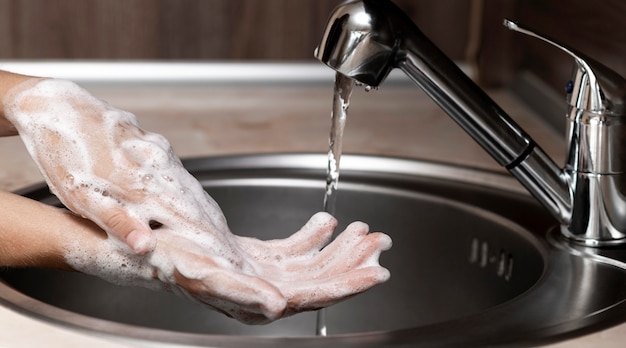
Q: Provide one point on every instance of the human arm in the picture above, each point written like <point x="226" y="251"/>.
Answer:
<point x="7" y="82"/>
<point x="103" y="166"/>
<point x="244" y="280"/>
<point x="24" y="239"/>
<point x="69" y="133"/>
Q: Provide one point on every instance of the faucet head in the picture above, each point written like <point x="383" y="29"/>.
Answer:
<point x="360" y="42"/>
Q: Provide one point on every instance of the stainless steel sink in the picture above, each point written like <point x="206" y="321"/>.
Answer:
<point x="475" y="262"/>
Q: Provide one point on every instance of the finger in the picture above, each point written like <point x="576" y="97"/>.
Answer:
<point x="313" y="236"/>
<point x="133" y="232"/>
<point x="238" y="295"/>
<point x="351" y="236"/>
<point x="314" y="295"/>
<point x="362" y="255"/>
<point x="332" y="259"/>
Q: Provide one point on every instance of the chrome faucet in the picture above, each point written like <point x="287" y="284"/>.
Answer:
<point x="366" y="39"/>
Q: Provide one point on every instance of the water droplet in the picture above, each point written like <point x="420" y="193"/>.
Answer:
<point x="105" y="193"/>
<point x="70" y="179"/>
<point x="168" y="178"/>
<point x="370" y="88"/>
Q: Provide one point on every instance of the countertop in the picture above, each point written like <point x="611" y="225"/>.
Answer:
<point x="205" y="120"/>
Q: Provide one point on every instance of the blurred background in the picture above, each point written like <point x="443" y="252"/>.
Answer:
<point x="469" y="31"/>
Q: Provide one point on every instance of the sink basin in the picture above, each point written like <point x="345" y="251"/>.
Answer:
<point x="475" y="262"/>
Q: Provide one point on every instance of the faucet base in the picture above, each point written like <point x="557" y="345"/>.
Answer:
<point x="598" y="213"/>
<point x="592" y="242"/>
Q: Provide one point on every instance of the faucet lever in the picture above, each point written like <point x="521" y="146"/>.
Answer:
<point x="594" y="87"/>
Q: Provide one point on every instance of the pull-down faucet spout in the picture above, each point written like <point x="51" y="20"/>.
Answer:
<point x="366" y="39"/>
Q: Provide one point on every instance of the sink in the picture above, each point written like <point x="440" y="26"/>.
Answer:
<point x="475" y="262"/>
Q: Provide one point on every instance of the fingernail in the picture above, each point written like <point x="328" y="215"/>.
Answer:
<point x="139" y="241"/>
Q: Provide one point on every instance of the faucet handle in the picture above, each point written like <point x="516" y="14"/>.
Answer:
<point x="594" y="87"/>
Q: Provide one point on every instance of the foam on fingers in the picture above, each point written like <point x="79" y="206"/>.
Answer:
<point x="98" y="161"/>
<point x="314" y="235"/>
<point x="312" y="295"/>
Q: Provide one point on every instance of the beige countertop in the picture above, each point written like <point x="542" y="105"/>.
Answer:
<point x="202" y="120"/>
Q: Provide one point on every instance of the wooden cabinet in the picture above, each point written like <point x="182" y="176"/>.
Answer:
<point x="596" y="28"/>
<point x="194" y="29"/>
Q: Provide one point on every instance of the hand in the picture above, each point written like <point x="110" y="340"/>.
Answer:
<point x="253" y="281"/>
<point x="279" y="278"/>
<point x="102" y="166"/>
<point x="96" y="159"/>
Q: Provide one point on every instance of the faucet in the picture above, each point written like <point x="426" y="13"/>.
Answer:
<point x="366" y="39"/>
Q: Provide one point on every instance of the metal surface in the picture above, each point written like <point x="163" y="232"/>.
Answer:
<point x="366" y="39"/>
<point x="473" y="263"/>
<point x="594" y="87"/>
<point x="596" y="129"/>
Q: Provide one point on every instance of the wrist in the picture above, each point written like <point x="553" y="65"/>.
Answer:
<point x="27" y="242"/>
<point x="10" y="85"/>
<point x="97" y="254"/>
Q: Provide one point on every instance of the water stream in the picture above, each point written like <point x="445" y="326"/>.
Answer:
<point x="338" y="115"/>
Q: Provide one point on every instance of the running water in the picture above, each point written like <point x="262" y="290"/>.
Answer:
<point x="341" y="101"/>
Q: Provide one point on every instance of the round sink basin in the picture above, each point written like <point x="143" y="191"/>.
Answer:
<point x="473" y="262"/>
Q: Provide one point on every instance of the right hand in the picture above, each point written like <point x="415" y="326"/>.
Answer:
<point x="97" y="160"/>
<point x="102" y="166"/>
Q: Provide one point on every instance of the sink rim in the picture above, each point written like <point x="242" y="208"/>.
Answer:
<point x="555" y="248"/>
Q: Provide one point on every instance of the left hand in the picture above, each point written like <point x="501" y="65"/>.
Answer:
<point x="253" y="281"/>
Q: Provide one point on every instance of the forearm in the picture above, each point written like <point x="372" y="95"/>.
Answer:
<point x="7" y="82"/>
<point x="33" y="234"/>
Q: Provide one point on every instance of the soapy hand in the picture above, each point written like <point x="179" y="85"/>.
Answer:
<point x="94" y="157"/>
<point x="253" y="281"/>
<point x="105" y="168"/>
<point x="267" y="280"/>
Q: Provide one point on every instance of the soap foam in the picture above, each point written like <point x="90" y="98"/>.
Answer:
<point x="95" y="158"/>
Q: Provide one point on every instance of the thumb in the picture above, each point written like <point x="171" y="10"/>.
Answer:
<point x="133" y="232"/>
